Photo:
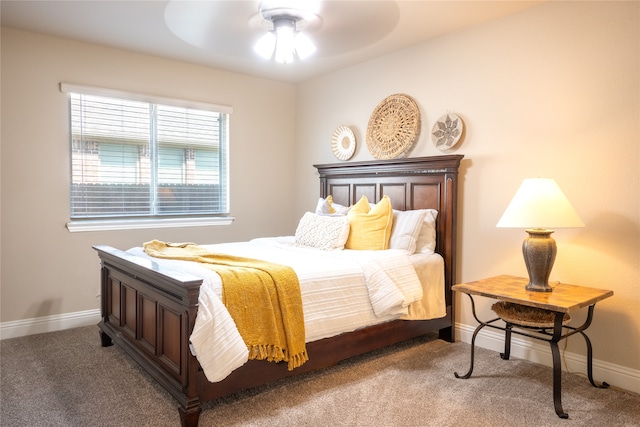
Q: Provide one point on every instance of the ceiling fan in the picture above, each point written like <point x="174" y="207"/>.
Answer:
<point x="230" y="29"/>
<point x="284" y="40"/>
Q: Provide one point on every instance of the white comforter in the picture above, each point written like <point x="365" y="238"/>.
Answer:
<point x="341" y="291"/>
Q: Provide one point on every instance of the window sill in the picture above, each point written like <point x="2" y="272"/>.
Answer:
<point x="134" y="224"/>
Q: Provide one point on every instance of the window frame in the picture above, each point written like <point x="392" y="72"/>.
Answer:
<point x="129" y="223"/>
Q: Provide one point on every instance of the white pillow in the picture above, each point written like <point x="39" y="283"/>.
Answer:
<point x="328" y="207"/>
<point x="323" y="207"/>
<point x="322" y="231"/>
<point x="340" y="209"/>
<point x="406" y="228"/>
<point x="426" y="243"/>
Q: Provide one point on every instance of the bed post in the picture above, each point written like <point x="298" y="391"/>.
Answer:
<point x="190" y="417"/>
<point x="449" y="251"/>
<point x="190" y="409"/>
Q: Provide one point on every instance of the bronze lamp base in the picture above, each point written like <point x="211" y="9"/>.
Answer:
<point x="539" y="251"/>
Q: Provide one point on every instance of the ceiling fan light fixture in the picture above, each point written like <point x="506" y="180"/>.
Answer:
<point x="284" y="41"/>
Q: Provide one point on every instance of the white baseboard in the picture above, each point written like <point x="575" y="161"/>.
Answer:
<point x="539" y="352"/>
<point x="616" y="375"/>
<point x="39" y="325"/>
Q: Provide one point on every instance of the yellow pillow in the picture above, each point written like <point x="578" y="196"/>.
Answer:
<point x="370" y="228"/>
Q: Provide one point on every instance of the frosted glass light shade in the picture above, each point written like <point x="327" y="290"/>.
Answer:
<point x="266" y="45"/>
<point x="284" y="41"/>
<point x="304" y="46"/>
<point x="540" y="203"/>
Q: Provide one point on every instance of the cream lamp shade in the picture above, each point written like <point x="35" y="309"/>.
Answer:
<point x="538" y="206"/>
<point x="540" y="203"/>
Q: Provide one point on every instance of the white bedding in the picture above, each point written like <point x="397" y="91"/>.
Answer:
<point x="361" y="288"/>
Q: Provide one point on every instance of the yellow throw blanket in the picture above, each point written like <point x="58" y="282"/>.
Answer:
<point x="263" y="299"/>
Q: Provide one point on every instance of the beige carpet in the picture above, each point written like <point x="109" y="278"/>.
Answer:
<point x="67" y="379"/>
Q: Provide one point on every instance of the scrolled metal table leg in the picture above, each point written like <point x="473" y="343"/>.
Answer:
<point x="590" y="363"/>
<point x="557" y="381"/>
<point x="473" y="341"/>
<point x="557" y="366"/>
<point x="590" y="349"/>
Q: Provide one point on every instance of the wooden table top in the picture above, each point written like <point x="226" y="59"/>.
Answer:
<point x="564" y="298"/>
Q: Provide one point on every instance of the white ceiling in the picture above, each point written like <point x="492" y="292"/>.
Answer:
<point x="221" y="33"/>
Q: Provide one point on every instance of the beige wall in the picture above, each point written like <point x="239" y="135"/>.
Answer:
<point x="48" y="271"/>
<point x="551" y="92"/>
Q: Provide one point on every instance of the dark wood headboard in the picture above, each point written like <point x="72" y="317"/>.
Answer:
<point x="410" y="183"/>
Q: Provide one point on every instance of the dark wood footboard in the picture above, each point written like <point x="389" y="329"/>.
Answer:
<point x="150" y="311"/>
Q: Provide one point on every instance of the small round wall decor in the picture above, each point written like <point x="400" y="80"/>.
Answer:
<point x="343" y="143"/>
<point x="393" y="127"/>
<point x="447" y="131"/>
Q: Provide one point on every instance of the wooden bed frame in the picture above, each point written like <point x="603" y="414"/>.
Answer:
<point x="150" y="311"/>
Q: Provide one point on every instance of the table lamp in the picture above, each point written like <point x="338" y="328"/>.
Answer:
<point x="539" y="205"/>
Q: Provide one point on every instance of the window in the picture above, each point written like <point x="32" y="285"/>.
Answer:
<point x="139" y="158"/>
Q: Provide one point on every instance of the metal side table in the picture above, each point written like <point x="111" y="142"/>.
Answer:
<point x="563" y="299"/>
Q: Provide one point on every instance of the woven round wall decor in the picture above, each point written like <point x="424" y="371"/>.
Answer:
<point x="393" y="127"/>
<point x="343" y="143"/>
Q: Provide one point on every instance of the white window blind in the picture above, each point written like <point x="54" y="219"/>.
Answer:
<point x="133" y="156"/>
